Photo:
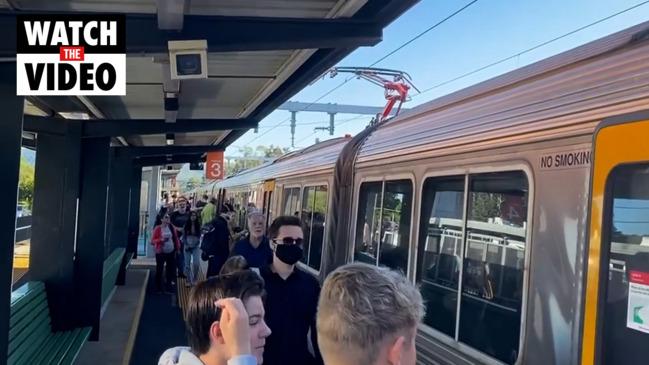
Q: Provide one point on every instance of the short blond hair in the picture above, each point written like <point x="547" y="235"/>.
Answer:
<point x="361" y="306"/>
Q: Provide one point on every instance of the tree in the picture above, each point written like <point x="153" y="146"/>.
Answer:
<point x="26" y="183"/>
<point x="193" y="182"/>
<point x="249" y="158"/>
<point x="485" y="206"/>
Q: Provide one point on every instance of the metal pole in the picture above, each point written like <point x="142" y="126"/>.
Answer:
<point x="293" y="122"/>
<point x="11" y="137"/>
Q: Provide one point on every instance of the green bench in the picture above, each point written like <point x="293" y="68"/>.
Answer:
<point x="111" y="270"/>
<point x="31" y="340"/>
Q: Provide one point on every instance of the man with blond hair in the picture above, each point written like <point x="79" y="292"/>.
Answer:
<point x="368" y="315"/>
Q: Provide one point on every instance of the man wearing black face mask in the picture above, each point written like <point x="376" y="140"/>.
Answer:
<point x="291" y="299"/>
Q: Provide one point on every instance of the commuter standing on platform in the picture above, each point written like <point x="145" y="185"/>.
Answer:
<point x="255" y="248"/>
<point x="202" y="202"/>
<point x="215" y="245"/>
<point x="209" y="212"/>
<point x="368" y="315"/>
<point x="166" y="243"/>
<point x="191" y="236"/>
<point x="225" y="321"/>
<point x="178" y="219"/>
<point x="292" y="298"/>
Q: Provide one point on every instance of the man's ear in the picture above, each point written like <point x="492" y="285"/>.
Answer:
<point x="396" y="350"/>
<point x="215" y="333"/>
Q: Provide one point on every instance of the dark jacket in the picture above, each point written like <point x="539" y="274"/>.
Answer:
<point x="291" y="307"/>
<point x="216" y="238"/>
<point x="256" y="257"/>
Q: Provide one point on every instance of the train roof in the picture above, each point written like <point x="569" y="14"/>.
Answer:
<point x="564" y="95"/>
<point x="561" y="96"/>
<point x="313" y="159"/>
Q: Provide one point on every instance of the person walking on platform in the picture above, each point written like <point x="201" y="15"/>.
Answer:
<point x="191" y="237"/>
<point x="225" y="320"/>
<point x="178" y="219"/>
<point x="292" y="298"/>
<point x="215" y="245"/>
<point x="255" y="248"/>
<point x="166" y="243"/>
<point x="209" y="212"/>
<point x="202" y="202"/>
<point x="368" y="315"/>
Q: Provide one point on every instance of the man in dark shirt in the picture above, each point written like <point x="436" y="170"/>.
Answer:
<point x="178" y="220"/>
<point x="255" y="248"/>
<point x="292" y="298"/>
<point x="215" y="244"/>
<point x="201" y="203"/>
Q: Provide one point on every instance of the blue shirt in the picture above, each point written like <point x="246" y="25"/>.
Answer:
<point x="256" y="257"/>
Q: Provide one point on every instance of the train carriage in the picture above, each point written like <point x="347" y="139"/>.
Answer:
<point x="499" y="201"/>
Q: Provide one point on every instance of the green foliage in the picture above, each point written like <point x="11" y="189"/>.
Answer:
<point x="249" y="158"/>
<point x="485" y="205"/>
<point x="26" y="183"/>
<point x="194" y="182"/>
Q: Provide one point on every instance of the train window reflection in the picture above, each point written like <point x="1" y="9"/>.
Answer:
<point x="368" y="224"/>
<point x="291" y="197"/>
<point x="492" y="279"/>
<point x="440" y="245"/>
<point x="313" y="215"/>
<point x="383" y="228"/>
<point x="625" y="327"/>
<point x="395" y="225"/>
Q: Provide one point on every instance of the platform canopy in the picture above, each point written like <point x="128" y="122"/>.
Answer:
<point x="260" y="53"/>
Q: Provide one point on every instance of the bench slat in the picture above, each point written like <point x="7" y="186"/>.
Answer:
<point x="25" y="294"/>
<point x="26" y="318"/>
<point x="110" y="271"/>
<point x="22" y="356"/>
<point x="27" y="308"/>
<point x="80" y="336"/>
<point x="21" y="339"/>
<point x="31" y="340"/>
<point x="49" y="348"/>
<point x="115" y="258"/>
<point x="62" y="347"/>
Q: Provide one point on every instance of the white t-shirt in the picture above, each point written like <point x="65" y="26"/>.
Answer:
<point x="168" y="242"/>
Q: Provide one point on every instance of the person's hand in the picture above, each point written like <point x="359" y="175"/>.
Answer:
<point x="234" y="326"/>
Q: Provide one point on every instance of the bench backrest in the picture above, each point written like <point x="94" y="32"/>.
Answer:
<point x="111" y="269"/>
<point x="29" y="322"/>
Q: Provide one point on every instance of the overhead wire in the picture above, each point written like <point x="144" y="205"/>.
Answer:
<point x="339" y="124"/>
<point x="400" y="47"/>
<point x="529" y="49"/>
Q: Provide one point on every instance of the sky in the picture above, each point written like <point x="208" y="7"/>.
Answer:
<point x="485" y="32"/>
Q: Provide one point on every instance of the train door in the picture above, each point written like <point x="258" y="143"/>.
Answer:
<point x="269" y="187"/>
<point x="616" y="317"/>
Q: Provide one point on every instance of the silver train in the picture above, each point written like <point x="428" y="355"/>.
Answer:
<point x="488" y="199"/>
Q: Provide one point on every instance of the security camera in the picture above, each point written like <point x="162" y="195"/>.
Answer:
<point x="188" y="59"/>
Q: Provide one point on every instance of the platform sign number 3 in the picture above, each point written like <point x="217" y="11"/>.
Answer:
<point x="214" y="168"/>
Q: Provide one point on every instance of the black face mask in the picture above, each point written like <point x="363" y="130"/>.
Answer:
<point x="289" y="254"/>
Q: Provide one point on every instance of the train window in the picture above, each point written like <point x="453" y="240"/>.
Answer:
<point x="440" y="246"/>
<point x="492" y="278"/>
<point x="305" y="216"/>
<point x="625" y="311"/>
<point x="383" y="223"/>
<point x="314" y="211"/>
<point x="395" y="224"/>
<point x="291" y="198"/>
<point x="368" y="225"/>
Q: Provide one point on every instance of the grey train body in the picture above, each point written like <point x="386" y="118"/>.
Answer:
<point x="537" y="122"/>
